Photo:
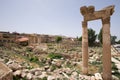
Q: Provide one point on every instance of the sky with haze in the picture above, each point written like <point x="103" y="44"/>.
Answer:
<point x="54" y="17"/>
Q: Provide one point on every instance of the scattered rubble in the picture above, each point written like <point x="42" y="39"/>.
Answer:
<point x="67" y="67"/>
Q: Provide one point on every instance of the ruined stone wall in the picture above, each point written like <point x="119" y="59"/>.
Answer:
<point x="6" y="37"/>
<point x="37" y="39"/>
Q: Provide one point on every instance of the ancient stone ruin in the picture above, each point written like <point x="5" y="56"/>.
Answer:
<point x="5" y="72"/>
<point x="89" y="14"/>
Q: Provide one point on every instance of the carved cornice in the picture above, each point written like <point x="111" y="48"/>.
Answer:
<point x="89" y="12"/>
<point x="109" y="9"/>
<point x="83" y="10"/>
<point x="86" y="10"/>
<point x="106" y="20"/>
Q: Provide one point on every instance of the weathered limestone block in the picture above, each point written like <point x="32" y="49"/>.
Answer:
<point x="83" y="10"/>
<point x="91" y="9"/>
<point x="98" y="76"/>
<point x="17" y="73"/>
<point x="110" y="9"/>
<point x="86" y="10"/>
<point x="29" y="76"/>
<point x="5" y="72"/>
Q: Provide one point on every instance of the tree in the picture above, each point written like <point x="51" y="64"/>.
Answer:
<point x="100" y="36"/>
<point x="118" y="42"/>
<point x="113" y="39"/>
<point x="91" y="37"/>
<point x="79" y="38"/>
<point x="58" y="39"/>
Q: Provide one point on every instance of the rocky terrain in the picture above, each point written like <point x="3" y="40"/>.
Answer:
<point x="54" y="61"/>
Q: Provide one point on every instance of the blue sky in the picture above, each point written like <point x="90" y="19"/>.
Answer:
<point x="56" y="17"/>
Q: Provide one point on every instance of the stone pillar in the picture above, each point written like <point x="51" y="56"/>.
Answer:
<point x="106" y="49"/>
<point x="84" y="48"/>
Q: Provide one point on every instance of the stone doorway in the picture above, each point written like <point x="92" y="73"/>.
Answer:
<point x="89" y="14"/>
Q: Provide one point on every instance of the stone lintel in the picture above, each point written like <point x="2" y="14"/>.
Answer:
<point x="89" y="13"/>
<point x="110" y="8"/>
<point x="106" y="20"/>
<point x="94" y="16"/>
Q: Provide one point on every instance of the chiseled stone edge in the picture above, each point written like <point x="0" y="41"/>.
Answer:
<point x="8" y="75"/>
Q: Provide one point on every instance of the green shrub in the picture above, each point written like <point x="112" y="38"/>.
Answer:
<point x="114" y="68"/>
<point x="53" y="67"/>
<point x="100" y="68"/>
<point x="96" y="63"/>
<point x="45" y="78"/>
<point x="24" y="43"/>
<point x="54" y="56"/>
<point x="68" y="64"/>
<point x="34" y="59"/>
<point x="29" y="48"/>
<point x="19" y="78"/>
<point x="16" y="78"/>
<point x="79" y="39"/>
<point x="6" y="60"/>
<point x="29" y="67"/>
<point x="58" y="39"/>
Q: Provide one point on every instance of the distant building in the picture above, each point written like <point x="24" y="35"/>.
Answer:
<point x="22" y="41"/>
<point x="28" y="39"/>
<point x="6" y="37"/>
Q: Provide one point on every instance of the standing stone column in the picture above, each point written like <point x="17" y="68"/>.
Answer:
<point x="84" y="48"/>
<point x="106" y="49"/>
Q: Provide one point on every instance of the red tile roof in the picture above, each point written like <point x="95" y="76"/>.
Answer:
<point x="22" y="39"/>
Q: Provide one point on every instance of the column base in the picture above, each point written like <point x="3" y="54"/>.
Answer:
<point x="107" y="77"/>
<point x="84" y="70"/>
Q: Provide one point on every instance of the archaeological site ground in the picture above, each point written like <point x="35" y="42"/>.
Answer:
<point x="53" y="57"/>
